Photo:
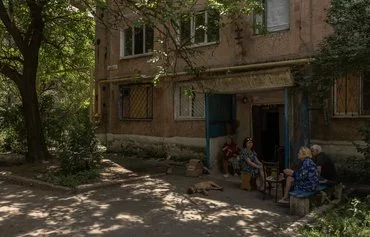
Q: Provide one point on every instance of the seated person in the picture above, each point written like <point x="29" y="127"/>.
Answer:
<point x="306" y="178"/>
<point x="325" y="166"/>
<point x="204" y="187"/>
<point x="251" y="164"/>
<point x="231" y="156"/>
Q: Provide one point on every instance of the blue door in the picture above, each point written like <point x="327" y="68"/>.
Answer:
<point x="220" y="111"/>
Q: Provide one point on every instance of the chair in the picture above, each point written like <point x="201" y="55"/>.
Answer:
<point x="271" y="172"/>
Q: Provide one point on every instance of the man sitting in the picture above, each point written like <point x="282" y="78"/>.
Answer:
<point x="325" y="166"/>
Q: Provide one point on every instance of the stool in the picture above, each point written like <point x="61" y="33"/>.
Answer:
<point x="246" y="181"/>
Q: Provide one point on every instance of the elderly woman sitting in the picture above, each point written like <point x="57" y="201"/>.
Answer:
<point x="251" y="164"/>
<point x="305" y="179"/>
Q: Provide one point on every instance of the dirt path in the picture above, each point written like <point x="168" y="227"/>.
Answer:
<point x="154" y="207"/>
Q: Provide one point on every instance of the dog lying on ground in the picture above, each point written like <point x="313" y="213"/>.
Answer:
<point x="204" y="187"/>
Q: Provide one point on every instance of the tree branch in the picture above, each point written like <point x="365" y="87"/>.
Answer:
<point x="9" y="72"/>
<point x="35" y="29"/>
<point x="11" y="28"/>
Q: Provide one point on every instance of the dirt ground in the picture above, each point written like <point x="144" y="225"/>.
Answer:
<point x="151" y="207"/>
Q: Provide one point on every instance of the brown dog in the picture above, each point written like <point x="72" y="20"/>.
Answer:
<point x="203" y="187"/>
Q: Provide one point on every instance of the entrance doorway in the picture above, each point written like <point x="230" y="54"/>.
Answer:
<point x="267" y="129"/>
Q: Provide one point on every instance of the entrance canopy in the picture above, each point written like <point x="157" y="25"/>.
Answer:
<point x="221" y="103"/>
<point x="245" y="82"/>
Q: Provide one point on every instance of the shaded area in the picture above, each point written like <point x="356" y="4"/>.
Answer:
<point x="154" y="207"/>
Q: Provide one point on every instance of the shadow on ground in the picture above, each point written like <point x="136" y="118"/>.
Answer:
<point x="151" y="207"/>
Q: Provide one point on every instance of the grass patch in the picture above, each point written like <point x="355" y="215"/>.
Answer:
<point x="350" y="219"/>
<point x="72" y="180"/>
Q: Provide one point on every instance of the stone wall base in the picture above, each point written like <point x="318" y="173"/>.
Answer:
<point x="174" y="148"/>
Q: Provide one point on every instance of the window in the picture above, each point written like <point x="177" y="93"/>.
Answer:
<point x="189" y="104"/>
<point x="135" y="102"/>
<point x="352" y="95"/>
<point x="200" y="28"/>
<point x="137" y="41"/>
<point x="275" y="17"/>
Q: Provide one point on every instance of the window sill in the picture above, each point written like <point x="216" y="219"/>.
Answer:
<point x="189" y="119"/>
<point x="351" y="116"/>
<point x="136" y="56"/>
<point x="202" y="45"/>
<point x="269" y="33"/>
<point x="136" y="120"/>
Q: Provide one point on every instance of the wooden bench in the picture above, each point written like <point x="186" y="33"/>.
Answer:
<point x="300" y="200"/>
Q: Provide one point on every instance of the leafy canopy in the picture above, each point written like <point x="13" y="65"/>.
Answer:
<point x="347" y="49"/>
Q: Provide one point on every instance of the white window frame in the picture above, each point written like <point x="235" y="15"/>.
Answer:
<point x="123" y="40"/>
<point x="264" y="16"/>
<point x="177" y="112"/>
<point x="193" y="29"/>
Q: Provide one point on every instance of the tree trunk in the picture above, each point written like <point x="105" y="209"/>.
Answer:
<point x="37" y="150"/>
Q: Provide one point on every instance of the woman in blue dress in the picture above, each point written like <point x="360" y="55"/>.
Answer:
<point x="249" y="162"/>
<point x="305" y="179"/>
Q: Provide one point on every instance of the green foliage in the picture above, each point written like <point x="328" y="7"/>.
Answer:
<point x="78" y="150"/>
<point x="11" y="121"/>
<point x="365" y="132"/>
<point x="347" y="50"/>
<point x="354" y="170"/>
<point x="73" y="180"/>
<point x="352" y="219"/>
<point x="54" y="39"/>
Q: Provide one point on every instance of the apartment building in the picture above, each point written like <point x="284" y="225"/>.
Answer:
<point x="248" y="88"/>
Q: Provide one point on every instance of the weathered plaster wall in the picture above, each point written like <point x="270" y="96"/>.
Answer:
<point x="178" y="148"/>
<point x="307" y="29"/>
<point x="216" y="153"/>
<point x="340" y="129"/>
<point x="163" y="122"/>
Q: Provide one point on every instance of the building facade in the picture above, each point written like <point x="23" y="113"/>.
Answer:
<point x="247" y="90"/>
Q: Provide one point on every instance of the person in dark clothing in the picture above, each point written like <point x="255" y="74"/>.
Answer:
<point x="325" y="165"/>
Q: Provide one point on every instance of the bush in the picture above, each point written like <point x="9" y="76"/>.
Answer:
<point x="78" y="150"/>
<point x="73" y="180"/>
<point x="12" y="129"/>
<point x="354" y="170"/>
<point x="365" y="132"/>
<point x="350" y="219"/>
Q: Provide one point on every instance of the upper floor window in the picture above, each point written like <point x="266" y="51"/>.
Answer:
<point x="189" y="104"/>
<point x="275" y="17"/>
<point x="137" y="40"/>
<point x="135" y="102"/>
<point x="200" y="28"/>
<point x="352" y="95"/>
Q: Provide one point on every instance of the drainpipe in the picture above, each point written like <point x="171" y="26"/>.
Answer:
<point x="208" y="152"/>
<point x="286" y="129"/>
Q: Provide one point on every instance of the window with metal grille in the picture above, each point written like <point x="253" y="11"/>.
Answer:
<point x="352" y="95"/>
<point x="135" y="102"/>
<point x="274" y="17"/>
<point x="137" y="41"/>
<point x="189" y="104"/>
<point x="200" y="28"/>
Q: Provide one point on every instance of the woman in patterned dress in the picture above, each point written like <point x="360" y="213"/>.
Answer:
<point x="250" y="163"/>
<point x="305" y="179"/>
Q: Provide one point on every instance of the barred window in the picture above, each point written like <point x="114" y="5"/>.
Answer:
<point x="135" y="102"/>
<point x="189" y="104"/>
<point x="351" y="95"/>
<point x="275" y="16"/>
